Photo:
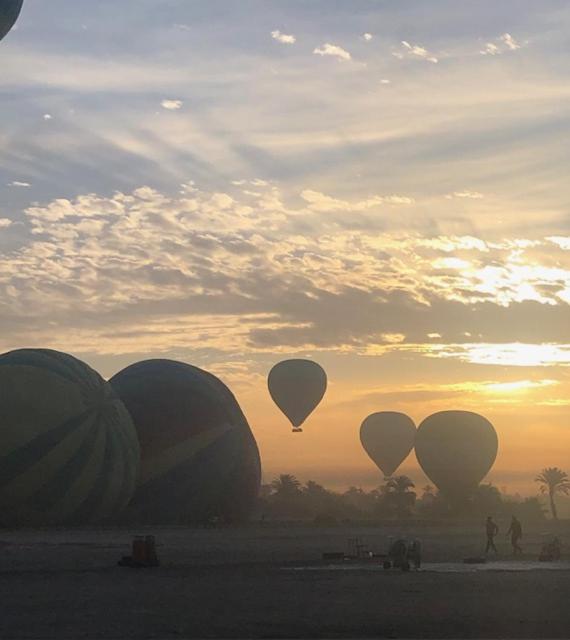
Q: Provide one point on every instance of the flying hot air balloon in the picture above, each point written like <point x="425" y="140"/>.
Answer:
<point x="9" y="12"/>
<point x="297" y="387"/>
<point x="456" y="450"/>
<point x="388" y="437"/>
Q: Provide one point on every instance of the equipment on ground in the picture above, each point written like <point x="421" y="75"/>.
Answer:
<point x="143" y="554"/>
<point x="404" y="554"/>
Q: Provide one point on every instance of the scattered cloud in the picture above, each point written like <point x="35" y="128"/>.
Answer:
<point x="246" y="269"/>
<point x="465" y="195"/>
<point x="47" y="116"/>
<point x="367" y="36"/>
<point x="409" y="50"/>
<point x="562" y="241"/>
<point x="172" y="105"/>
<point x="5" y="223"/>
<point x="283" y="38"/>
<point x="333" y="50"/>
<point x="385" y="81"/>
<point x="318" y="201"/>
<point x="502" y="44"/>
<point x="21" y="185"/>
<point x="511" y="355"/>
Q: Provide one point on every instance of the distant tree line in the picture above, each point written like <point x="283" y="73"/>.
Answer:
<point x="286" y="498"/>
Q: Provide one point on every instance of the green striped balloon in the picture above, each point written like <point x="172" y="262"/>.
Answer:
<point x="69" y="452"/>
<point x="9" y="12"/>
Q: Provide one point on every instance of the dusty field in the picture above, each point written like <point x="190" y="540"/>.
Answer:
<point x="270" y="583"/>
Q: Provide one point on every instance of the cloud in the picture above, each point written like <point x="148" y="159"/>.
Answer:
<point x="508" y="354"/>
<point x="17" y="183"/>
<point x="562" y="241"/>
<point x="465" y="195"/>
<point x="172" y="105"/>
<point x="415" y="51"/>
<point x="283" y="38"/>
<point x="333" y="50"/>
<point x="367" y="36"/>
<point x="254" y="270"/>
<point x="502" y="44"/>
<point x="318" y="201"/>
<point x="5" y="223"/>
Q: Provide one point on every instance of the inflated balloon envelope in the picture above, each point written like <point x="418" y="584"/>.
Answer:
<point x="297" y="387"/>
<point x="9" y="12"/>
<point x="388" y="438"/>
<point x="456" y="450"/>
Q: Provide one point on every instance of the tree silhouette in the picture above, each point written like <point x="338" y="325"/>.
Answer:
<point x="398" y="495"/>
<point x="286" y="485"/>
<point x="553" y="480"/>
<point x="287" y="497"/>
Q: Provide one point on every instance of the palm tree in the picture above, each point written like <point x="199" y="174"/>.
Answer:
<point x="397" y="491"/>
<point x="400" y="484"/>
<point x="286" y="485"/>
<point x="287" y="499"/>
<point x="553" y="480"/>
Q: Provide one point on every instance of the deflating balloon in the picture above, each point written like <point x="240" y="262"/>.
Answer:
<point x="388" y="437"/>
<point x="199" y="459"/>
<point x="69" y="452"/>
<point x="9" y="12"/>
<point x="297" y="387"/>
<point x="456" y="450"/>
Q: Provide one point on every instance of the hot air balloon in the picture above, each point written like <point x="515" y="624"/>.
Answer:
<point x="388" y="437"/>
<point x="199" y="458"/>
<point x="456" y="450"/>
<point x="69" y="452"/>
<point x="9" y="12"/>
<point x="297" y="387"/>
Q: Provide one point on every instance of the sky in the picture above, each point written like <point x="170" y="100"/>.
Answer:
<point x="379" y="185"/>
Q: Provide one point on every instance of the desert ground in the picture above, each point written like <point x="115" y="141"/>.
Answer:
<point x="271" y="582"/>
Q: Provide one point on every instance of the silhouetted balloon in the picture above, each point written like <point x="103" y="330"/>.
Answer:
<point x="199" y="459"/>
<point x="69" y="452"/>
<point x="9" y="12"/>
<point x="388" y="437"/>
<point x="456" y="449"/>
<point x="297" y="387"/>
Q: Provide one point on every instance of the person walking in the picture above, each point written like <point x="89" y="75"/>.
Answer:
<point x="492" y="530"/>
<point x="515" y="531"/>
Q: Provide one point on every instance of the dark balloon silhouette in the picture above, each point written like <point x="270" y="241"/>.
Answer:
<point x="388" y="437"/>
<point x="456" y="450"/>
<point x="297" y="387"/>
<point x="69" y="452"/>
<point x="199" y="459"/>
<point x="9" y="12"/>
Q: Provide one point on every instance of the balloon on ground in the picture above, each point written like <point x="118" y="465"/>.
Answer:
<point x="297" y="387"/>
<point x="9" y="12"/>
<point x="388" y="438"/>
<point x="199" y="459"/>
<point x="456" y="450"/>
<point x="68" y="449"/>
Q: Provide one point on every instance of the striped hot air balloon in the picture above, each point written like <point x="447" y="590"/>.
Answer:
<point x="68" y="448"/>
<point x="9" y="12"/>
<point x="199" y="458"/>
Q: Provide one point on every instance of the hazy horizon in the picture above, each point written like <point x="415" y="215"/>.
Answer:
<point x="379" y="186"/>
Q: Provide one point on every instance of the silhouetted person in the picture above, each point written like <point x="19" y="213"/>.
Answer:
<point x="492" y="531"/>
<point x="515" y="531"/>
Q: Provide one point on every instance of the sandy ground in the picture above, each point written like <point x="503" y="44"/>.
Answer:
<point x="271" y="583"/>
